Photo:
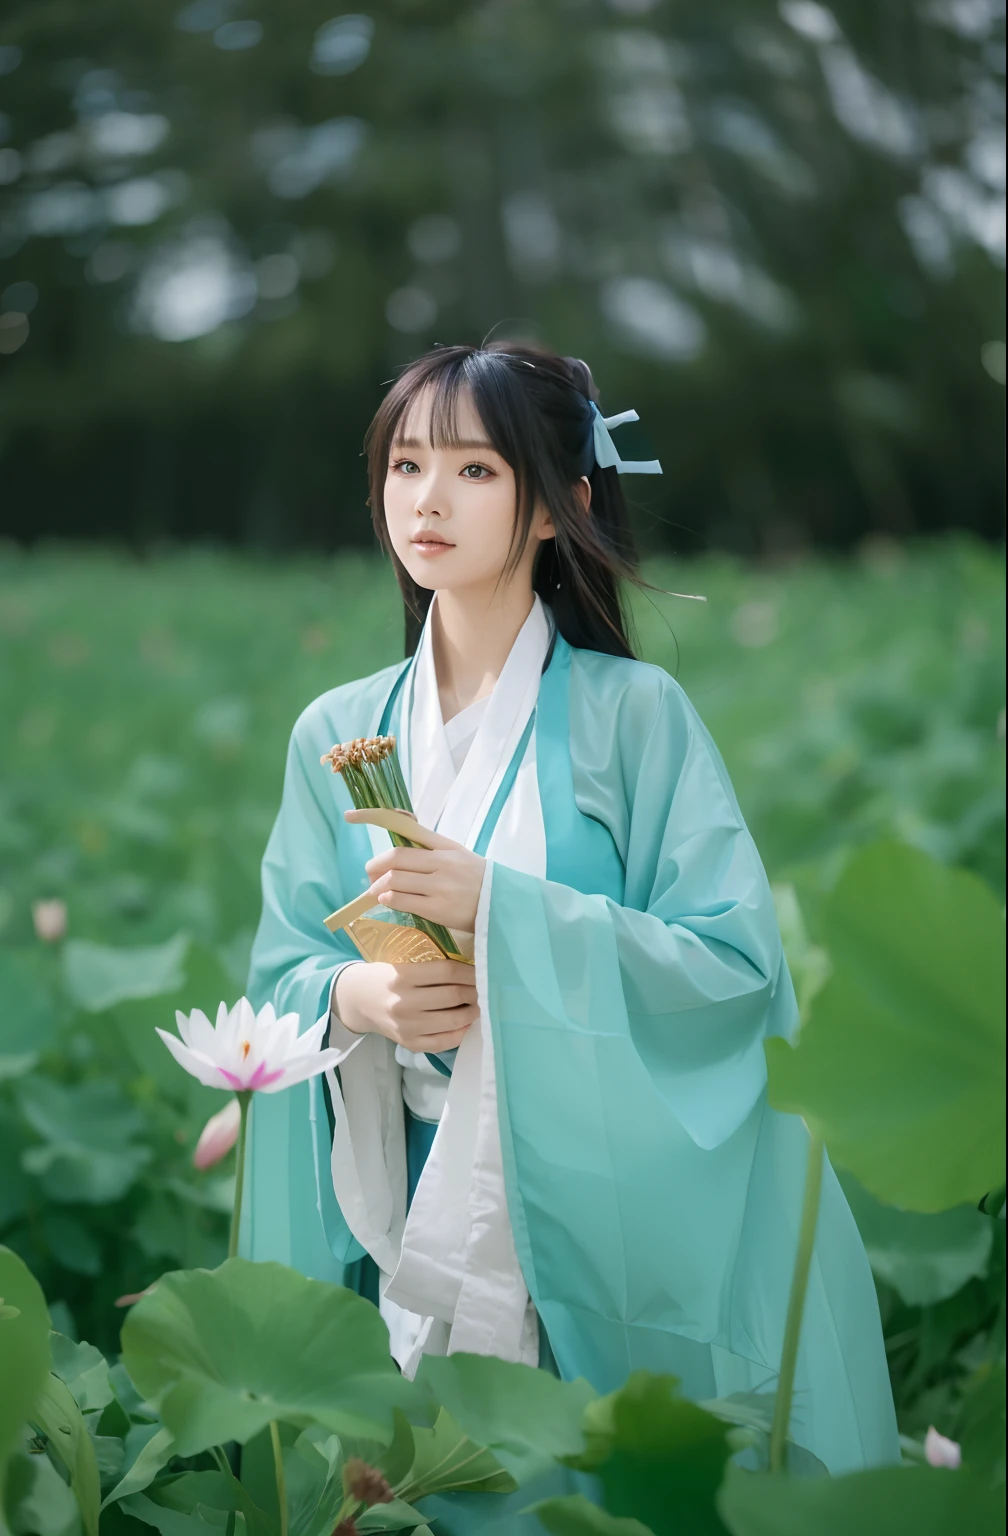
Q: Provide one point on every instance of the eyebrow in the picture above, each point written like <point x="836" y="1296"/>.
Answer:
<point x="417" y="442"/>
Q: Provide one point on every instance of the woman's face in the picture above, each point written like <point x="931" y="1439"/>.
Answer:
<point x="450" y="512"/>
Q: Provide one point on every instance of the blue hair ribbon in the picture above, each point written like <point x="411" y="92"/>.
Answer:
<point x="606" y="452"/>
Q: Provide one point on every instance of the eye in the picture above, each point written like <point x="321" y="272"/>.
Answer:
<point x="405" y="467"/>
<point x="477" y="472"/>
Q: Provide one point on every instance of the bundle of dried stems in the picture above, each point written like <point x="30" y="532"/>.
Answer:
<point x="370" y="770"/>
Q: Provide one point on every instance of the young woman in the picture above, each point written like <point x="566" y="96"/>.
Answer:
<point x="563" y="1154"/>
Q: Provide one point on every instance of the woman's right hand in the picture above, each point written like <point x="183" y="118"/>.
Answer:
<point x="424" y="1005"/>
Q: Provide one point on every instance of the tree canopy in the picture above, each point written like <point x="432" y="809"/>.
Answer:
<point x="777" y="231"/>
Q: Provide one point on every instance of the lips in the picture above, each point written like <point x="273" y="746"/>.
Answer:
<point x="430" y="542"/>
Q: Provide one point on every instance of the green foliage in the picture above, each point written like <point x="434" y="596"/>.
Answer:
<point x="223" y="1353"/>
<point x="89" y="1152"/>
<point x="153" y="1447"/>
<point x="85" y="1371"/>
<point x="24" y="1346"/>
<point x="659" y="1458"/>
<point x="31" y="1020"/>
<point x="36" y="1500"/>
<point x="98" y="976"/>
<point x="850" y="702"/>
<point x="901" y="1065"/>
<point x="57" y="1415"/>
<point x="927" y="1501"/>
<point x="446" y="1457"/>
<point x="527" y="1418"/>
<point x="575" y="1516"/>
<point x="924" y="1258"/>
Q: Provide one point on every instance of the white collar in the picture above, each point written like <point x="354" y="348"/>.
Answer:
<point x="457" y="804"/>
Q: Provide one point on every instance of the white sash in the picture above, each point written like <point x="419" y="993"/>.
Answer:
<point x="450" y="1276"/>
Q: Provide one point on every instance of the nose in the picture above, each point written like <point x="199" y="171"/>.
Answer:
<point x="429" y="501"/>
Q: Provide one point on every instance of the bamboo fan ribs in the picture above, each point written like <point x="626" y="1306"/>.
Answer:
<point x="369" y="767"/>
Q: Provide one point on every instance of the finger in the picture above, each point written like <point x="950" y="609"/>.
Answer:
<point x="449" y="1021"/>
<point x="437" y="999"/>
<point x="402" y="858"/>
<point x="402" y="823"/>
<point x="405" y="882"/>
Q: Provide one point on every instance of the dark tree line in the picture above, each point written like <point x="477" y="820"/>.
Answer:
<point x="778" y="231"/>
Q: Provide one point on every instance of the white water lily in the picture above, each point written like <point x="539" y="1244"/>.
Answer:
<point x="248" y="1052"/>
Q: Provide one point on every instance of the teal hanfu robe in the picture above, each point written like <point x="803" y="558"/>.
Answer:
<point x="653" y="1196"/>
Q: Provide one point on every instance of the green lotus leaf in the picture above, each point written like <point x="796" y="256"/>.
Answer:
<point x="223" y="1352"/>
<point x="901" y="1065"/>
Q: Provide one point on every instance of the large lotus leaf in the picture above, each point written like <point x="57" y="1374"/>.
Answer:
<point x="575" y="1516"/>
<point x="24" y="1346"/>
<point x="527" y="1417"/>
<point x="659" y="1458"/>
<point x="901" y="1065"/>
<point x="98" y="976"/>
<point x="222" y="1352"/>
<point x="925" y="1258"/>
<point x="36" y="1500"/>
<point x="924" y="1501"/>
<point x="89" y="1153"/>
<point x="60" y="1419"/>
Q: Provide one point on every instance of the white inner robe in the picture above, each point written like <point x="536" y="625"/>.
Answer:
<point x="450" y="1278"/>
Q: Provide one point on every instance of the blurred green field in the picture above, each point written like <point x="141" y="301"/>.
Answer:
<point x="146" y="708"/>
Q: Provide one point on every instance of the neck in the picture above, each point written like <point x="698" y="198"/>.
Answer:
<point x="473" y="633"/>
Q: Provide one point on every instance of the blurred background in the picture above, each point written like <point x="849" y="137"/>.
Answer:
<point x="777" y="230"/>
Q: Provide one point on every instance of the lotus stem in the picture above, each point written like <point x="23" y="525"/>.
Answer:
<point x="281" y="1481"/>
<point x="796" y="1303"/>
<point x="244" y="1100"/>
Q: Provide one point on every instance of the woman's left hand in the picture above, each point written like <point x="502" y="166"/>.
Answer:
<point x="441" y="884"/>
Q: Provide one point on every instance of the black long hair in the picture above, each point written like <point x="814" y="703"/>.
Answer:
<point x="536" y="409"/>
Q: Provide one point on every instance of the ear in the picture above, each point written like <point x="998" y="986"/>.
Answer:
<point x="542" y="525"/>
<point x="582" y="490"/>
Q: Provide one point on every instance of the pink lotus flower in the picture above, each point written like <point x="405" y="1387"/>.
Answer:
<point x="941" y="1452"/>
<point x="218" y="1136"/>
<point x="249" y="1052"/>
<point x="49" y="919"/>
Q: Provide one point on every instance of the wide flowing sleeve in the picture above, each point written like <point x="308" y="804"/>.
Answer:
<point x="629" y="993"/>
<point x="306" y="870"/>
<point x="313" y="864"/>
<point x="687" y="970"/>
